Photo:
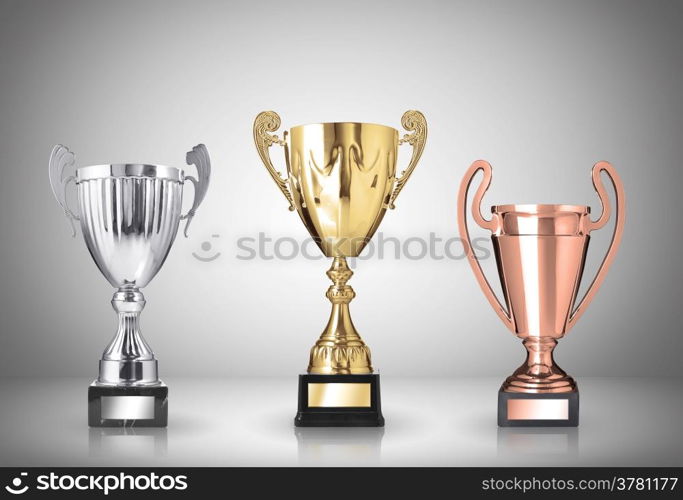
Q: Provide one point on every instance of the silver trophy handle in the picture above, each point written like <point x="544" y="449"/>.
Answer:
<point x="60" y="158"/>
<point x="199" y="156"/>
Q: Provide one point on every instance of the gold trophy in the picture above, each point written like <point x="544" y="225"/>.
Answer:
<point x="341" y="180"/>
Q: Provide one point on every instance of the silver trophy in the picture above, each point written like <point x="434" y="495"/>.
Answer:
<point x="129" y="216"/>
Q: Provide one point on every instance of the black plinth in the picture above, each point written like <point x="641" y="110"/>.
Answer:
<point x="116" y="406"/>
<point x="339" y="401"/>
<point x="538" y="410"/>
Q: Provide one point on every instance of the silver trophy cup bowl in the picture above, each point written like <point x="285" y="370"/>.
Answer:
<point x="129" y="216"/>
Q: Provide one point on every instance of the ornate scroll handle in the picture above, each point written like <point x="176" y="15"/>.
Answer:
<point x="492" y="225"/>
<point x="413" y="121"/>
<point x="199" y="156"/>
<point x="60" y="158"/>
<point x="269" y="121"/>
<point x="598" y="168"/>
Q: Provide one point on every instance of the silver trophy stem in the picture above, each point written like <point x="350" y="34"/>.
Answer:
<point x="128" y="360"/>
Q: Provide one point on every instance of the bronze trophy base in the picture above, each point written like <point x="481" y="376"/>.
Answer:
<point x="518" y="409"/>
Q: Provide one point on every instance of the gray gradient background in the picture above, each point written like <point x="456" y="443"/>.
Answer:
<point x="540" y="89"/>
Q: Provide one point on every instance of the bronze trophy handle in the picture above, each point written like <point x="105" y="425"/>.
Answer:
<point x="269" y="121"/>
<point x="491" y="225"/>
<point x="598" y="168"/>
<point x="412" y="121"/>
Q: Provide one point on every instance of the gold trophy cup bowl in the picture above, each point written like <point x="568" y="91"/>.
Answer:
<point x="341" y="181"/>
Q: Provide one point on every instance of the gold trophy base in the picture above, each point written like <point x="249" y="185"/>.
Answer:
<point x="339" y="401"/>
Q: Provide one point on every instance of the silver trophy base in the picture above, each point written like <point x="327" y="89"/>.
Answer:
<point x="127" y="406"/>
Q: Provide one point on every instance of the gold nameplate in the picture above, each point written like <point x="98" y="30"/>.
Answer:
<point x="338" y="395"/>
<point x="538" y="409"/>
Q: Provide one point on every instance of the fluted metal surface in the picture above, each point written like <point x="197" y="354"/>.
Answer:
<point x="129" y="224"/>
<point x="128" y="344"/>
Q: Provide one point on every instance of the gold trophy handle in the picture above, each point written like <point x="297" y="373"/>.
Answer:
<point x="598" y="168"/>
<point x="412" y="121"/>
<point x="269" y="121"/>
<point x="491" y="225"/>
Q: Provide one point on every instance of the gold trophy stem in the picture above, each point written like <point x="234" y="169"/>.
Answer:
<point x="340" y="350"/>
